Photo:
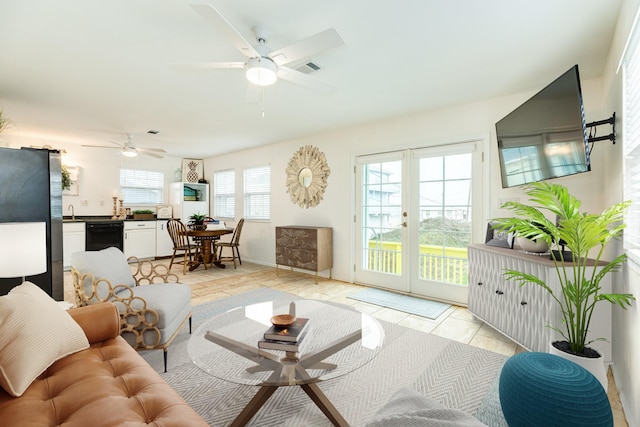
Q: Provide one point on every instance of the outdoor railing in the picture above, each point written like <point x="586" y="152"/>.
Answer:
<point x="435" y="262"/>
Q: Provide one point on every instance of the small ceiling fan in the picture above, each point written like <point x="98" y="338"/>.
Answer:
<point x="129" y="149"/>
<point x="264" y="67"/>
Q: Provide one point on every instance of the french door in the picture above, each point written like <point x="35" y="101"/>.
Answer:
<point x="414" y="219"/>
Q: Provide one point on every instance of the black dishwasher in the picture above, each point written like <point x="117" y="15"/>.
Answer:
<point x="103" y="234"/>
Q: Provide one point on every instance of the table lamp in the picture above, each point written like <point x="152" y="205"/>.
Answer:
<point x="23" y="249"/>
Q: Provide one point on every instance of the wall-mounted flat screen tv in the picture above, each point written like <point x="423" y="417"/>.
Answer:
<point x="546" y="136"/>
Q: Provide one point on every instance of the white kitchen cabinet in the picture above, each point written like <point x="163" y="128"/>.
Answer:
<point x="164" y="244"/>
<point x="524" y="313"/>
<point x="73" y="240"/>
<point x="140" y="239"/>
<point x="188" y="198"/>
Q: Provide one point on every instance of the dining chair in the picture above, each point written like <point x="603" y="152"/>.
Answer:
<point x="190" y="251"/>
<point x="233" y="244"/>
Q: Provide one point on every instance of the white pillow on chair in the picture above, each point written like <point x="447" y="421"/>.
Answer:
<point x="109" y="263"/>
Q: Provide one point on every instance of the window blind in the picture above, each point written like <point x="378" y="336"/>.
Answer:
<point x="631" y="144"/>
<point x="257" y="193"/>
<point x="224" y="189"/>
<point x="139" y="187"/>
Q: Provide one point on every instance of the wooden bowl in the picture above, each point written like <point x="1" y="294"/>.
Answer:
<point x="283" y="320"/>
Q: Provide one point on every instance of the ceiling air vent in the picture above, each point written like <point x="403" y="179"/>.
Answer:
<point x="308" y="68"/>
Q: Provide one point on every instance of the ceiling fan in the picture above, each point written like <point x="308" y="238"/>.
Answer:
<point x="128" y="149"/>
<point x="264" y="67"/>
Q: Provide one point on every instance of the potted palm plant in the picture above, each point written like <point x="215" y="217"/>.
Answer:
<point x="580" y="285"/>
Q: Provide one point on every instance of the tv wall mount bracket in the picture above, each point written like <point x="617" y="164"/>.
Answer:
<point x="593" y="130"/>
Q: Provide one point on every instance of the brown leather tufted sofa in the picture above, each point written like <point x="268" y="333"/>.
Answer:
<point x="108" y="384"/>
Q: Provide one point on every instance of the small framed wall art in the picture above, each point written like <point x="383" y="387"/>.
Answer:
<point x="73" y="173"/>
<point x="192" y="170"/>
<point x="499" y="238"/>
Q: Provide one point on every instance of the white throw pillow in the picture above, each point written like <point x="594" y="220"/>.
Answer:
<point x="34" y="332"/>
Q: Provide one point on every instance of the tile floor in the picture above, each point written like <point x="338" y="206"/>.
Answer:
<point x="456" y="323"/>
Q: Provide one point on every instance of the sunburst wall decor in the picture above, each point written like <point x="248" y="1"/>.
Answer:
<point x="307" y="174"/>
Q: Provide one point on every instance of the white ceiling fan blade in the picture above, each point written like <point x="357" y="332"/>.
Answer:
<point x="217" y="21"/>
<point x="209" y="65"/>
<point x="157" y="150"/>
<point x="148" y="153"/>
<point x="305" y="80"/>
<point x="99" y="146"/>
<point x="305" y="48"/>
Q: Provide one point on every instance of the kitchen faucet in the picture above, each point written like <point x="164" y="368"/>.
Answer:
<point x="73" y="214"/>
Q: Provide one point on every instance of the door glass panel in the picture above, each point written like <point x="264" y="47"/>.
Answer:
<point x="382" y="217"/>
<point x="445" y="218"/>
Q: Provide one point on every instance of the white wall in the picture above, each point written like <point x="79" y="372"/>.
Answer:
<point x="626" y="323"/>
<point x="448" y="125"/>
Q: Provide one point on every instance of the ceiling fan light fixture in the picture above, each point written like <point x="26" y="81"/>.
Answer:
<point x="129" y="152"/>
<point x="262" y="71"/>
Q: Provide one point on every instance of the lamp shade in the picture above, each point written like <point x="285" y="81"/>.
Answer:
<point x="23" y="249"/>
<point x="262" y="71"/>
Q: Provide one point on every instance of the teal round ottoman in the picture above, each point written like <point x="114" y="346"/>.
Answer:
<point x="541" y="389"/>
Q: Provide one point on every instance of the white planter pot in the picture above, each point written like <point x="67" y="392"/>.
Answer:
<point x="534" y="246"/>
<point x="593" y="365"/>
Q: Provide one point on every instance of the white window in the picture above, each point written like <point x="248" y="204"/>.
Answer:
<point x="224" y="190"/>
<point x="631" y="143"/>
<point x="140" y="187"/>
<point x="257" y="193"/>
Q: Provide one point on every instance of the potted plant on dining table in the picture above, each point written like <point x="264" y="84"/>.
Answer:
<point x="580" y="288"/>
<point x="196" y="221"/>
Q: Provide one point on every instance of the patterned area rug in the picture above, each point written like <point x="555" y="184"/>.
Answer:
<point x="408" y="304"/>
<point x="457" y="375"/>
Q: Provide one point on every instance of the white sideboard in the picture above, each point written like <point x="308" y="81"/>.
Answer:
<point x="140" y="239"/>
<point x="523" y="313"/>
<point x="164" y="244"/>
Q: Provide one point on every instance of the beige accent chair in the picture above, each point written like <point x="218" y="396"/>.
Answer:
<point x="153" y="307"/>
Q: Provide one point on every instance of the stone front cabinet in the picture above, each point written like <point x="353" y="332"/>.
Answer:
<point x="306" y="248"/>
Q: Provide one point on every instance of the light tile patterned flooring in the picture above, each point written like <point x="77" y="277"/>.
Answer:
<point x="456" y="323"/>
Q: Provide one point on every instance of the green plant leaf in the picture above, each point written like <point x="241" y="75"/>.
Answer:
<point x="623" y="300"/>
<point x="523" y="278"/>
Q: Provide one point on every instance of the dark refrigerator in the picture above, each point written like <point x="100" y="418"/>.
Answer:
<point x="31" y="191"/>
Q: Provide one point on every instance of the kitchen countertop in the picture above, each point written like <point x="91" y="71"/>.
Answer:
<point x="105" y="219"/>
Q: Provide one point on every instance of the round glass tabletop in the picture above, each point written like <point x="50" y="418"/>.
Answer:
<point x="337" y="340"/>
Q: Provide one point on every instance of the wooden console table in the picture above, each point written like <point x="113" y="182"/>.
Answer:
<point x="307" y="248"/>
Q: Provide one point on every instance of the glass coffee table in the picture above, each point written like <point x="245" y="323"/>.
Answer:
<point x="338" y="341"/>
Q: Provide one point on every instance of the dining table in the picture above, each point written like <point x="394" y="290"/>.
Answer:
<point x="205" y="239"/>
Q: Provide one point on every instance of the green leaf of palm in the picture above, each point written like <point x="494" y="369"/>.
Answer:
<point x="555" y="198"/>
<point x="523" y="278"/>
<point x="623" y="300"/>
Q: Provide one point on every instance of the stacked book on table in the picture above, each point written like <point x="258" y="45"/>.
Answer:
<point x="285" y="338"/>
